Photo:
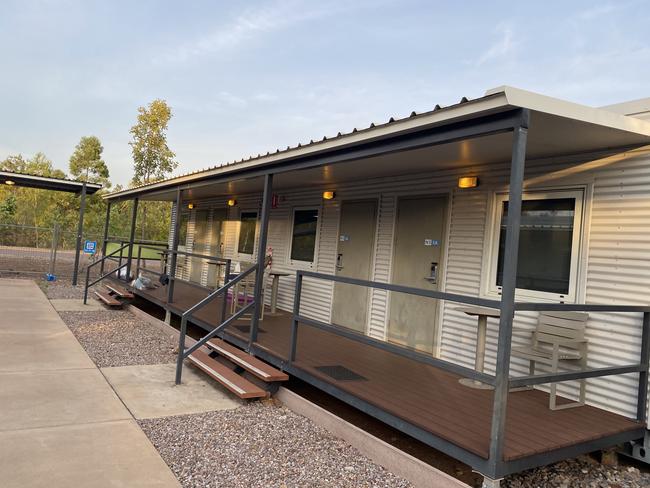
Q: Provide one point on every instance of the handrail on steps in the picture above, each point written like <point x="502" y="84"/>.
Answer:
<point x="182" y="353"/>
<point x="103" y="259"/>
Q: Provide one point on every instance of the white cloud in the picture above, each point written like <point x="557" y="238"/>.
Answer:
<point x="503" y="48"/>
<point x="250" y="23"/>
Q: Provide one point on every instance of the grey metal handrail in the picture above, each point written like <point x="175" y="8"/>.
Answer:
<point x="104" y="258"/>
<point x="195" y="255"/>
<point x="182" y="353"/>
<point x="402" y="351"/>
<point x="514" y="382"/>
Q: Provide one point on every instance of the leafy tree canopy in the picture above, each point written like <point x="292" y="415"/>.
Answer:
<point x="86" y="162"/>
<point x="152" y="158"/>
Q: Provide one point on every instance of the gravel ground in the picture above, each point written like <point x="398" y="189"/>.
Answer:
<point x="117" y="338"/>
<point x="61" y="289"/>
<point x="583" y="472"/>
<point x="260" y="445"/>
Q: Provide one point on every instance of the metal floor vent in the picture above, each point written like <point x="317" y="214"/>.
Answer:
<point x="340" y="373"/>
<point x="247" y="328"/>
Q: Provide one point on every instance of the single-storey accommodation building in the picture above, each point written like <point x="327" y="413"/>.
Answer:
<point x="392" y="245"/>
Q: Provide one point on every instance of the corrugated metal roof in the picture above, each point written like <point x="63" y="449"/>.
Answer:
<point x="312" y="142"/>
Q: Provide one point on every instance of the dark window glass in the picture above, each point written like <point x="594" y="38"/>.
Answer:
<point x="303" y="239"/>
<point x="545" y="243"/>
<point x="247" y="222"/>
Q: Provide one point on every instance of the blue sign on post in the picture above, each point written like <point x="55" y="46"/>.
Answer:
<point x="90" y="247"/>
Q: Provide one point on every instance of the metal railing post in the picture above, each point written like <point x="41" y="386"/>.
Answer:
<point x="181" y="350"/>
<point x="504" y="345"/>
<point x="261" y="257"/>
<point x="86" y="286"/>
<point x="224" y="305"/>
<point x="134" y="218"/>
<point x="296" y="314"/>
<point x="642" y="395"/>
<point x="174" y="249"/>
<point x="105" y="241"/>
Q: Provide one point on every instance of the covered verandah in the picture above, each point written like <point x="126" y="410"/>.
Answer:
<point x="494" y="430"/>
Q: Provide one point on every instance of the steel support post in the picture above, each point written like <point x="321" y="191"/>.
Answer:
<point x="501" y="387"/>
<point x="642" y="395"/>
<point x="171" y="272"/>
<point x="105" y="243"/>
<point x="129" y="258"/>
<point x="80" y="229"/>
<point x="261" y="255"/>
<point x="294" y="321"/>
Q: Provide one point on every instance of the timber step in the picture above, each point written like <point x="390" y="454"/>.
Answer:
<point x="118" y="291"/>
<point x="109" y="300"/>
<point x="239" y="385"/>
<point x="246" y="361"/>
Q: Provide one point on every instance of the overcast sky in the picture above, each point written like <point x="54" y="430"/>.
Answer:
<point x="248" y="77"/>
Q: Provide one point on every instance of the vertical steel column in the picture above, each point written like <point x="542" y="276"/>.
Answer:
<point x="511" y="254"/>
<point x="294" y="321"/>
<point x="134" y="218"/>
<point x="171" y="272"/>
<point x="261" y="255"/>
<point x="642" y="394"/>
<point x="105" y="243"/>
<point x="80" y="229"/>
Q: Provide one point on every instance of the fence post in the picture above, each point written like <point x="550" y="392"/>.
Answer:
<point x="55" y="244"/>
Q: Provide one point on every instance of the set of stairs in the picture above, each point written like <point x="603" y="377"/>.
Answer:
<point x="113" y="295"/>
<point x="243" y="374"/>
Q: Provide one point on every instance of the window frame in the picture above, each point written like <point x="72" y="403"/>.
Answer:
<point x="296" y="262"/>
<point x="578" y="194"/>
<point x="239" y="221"/>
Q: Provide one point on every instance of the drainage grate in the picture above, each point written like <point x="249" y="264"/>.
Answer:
<point x="340" y="373"/>
<point x="246" y="329"/>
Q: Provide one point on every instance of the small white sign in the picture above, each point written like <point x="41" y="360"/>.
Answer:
<point x="431" y="242"/>
<point x="344" y="238"/>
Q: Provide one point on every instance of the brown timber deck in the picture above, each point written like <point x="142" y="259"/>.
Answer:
<point x="421" y="394"/>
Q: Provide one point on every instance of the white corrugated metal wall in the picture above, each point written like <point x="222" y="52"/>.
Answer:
<point x="615" y="255"/>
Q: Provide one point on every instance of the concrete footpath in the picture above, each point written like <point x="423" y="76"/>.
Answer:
<point x="61" y="424"/>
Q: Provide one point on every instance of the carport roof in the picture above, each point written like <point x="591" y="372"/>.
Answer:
<point x="46" y="182"/>
<point x="558" y="127"/>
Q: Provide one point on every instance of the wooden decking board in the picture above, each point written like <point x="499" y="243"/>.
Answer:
<point x="239" y="385"/>
<point x="421" y="394"/>
<point x="250" y="363"/>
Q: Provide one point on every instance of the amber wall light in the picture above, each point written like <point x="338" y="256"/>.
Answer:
<point x="468" y="182"/>
<point x="190" y="206"/>
<point x="329" y="195"/>
<point x="232" y="202"/>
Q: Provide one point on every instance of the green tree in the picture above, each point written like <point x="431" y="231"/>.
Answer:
<point x="86" y="162"/>
<point x="8" y="210"/>
<point x="152" y="158"/>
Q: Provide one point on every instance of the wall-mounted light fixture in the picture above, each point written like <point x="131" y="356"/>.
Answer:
<point x="190" y="206"/>
<point x="329" y="195"/>
<point x="9" y="182"/>
<point x="468" y="182"/>
<point x="232" y="202"/>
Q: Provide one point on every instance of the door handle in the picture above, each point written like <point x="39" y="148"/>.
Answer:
<point x="433" y="277"/>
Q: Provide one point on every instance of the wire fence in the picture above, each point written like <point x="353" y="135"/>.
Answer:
<point x="33" y="250"/>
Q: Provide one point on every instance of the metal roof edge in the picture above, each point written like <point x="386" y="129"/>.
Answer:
<point x="563" y="108"/>
<point x="51" y="179"/>
<point x="465" y="109"/>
